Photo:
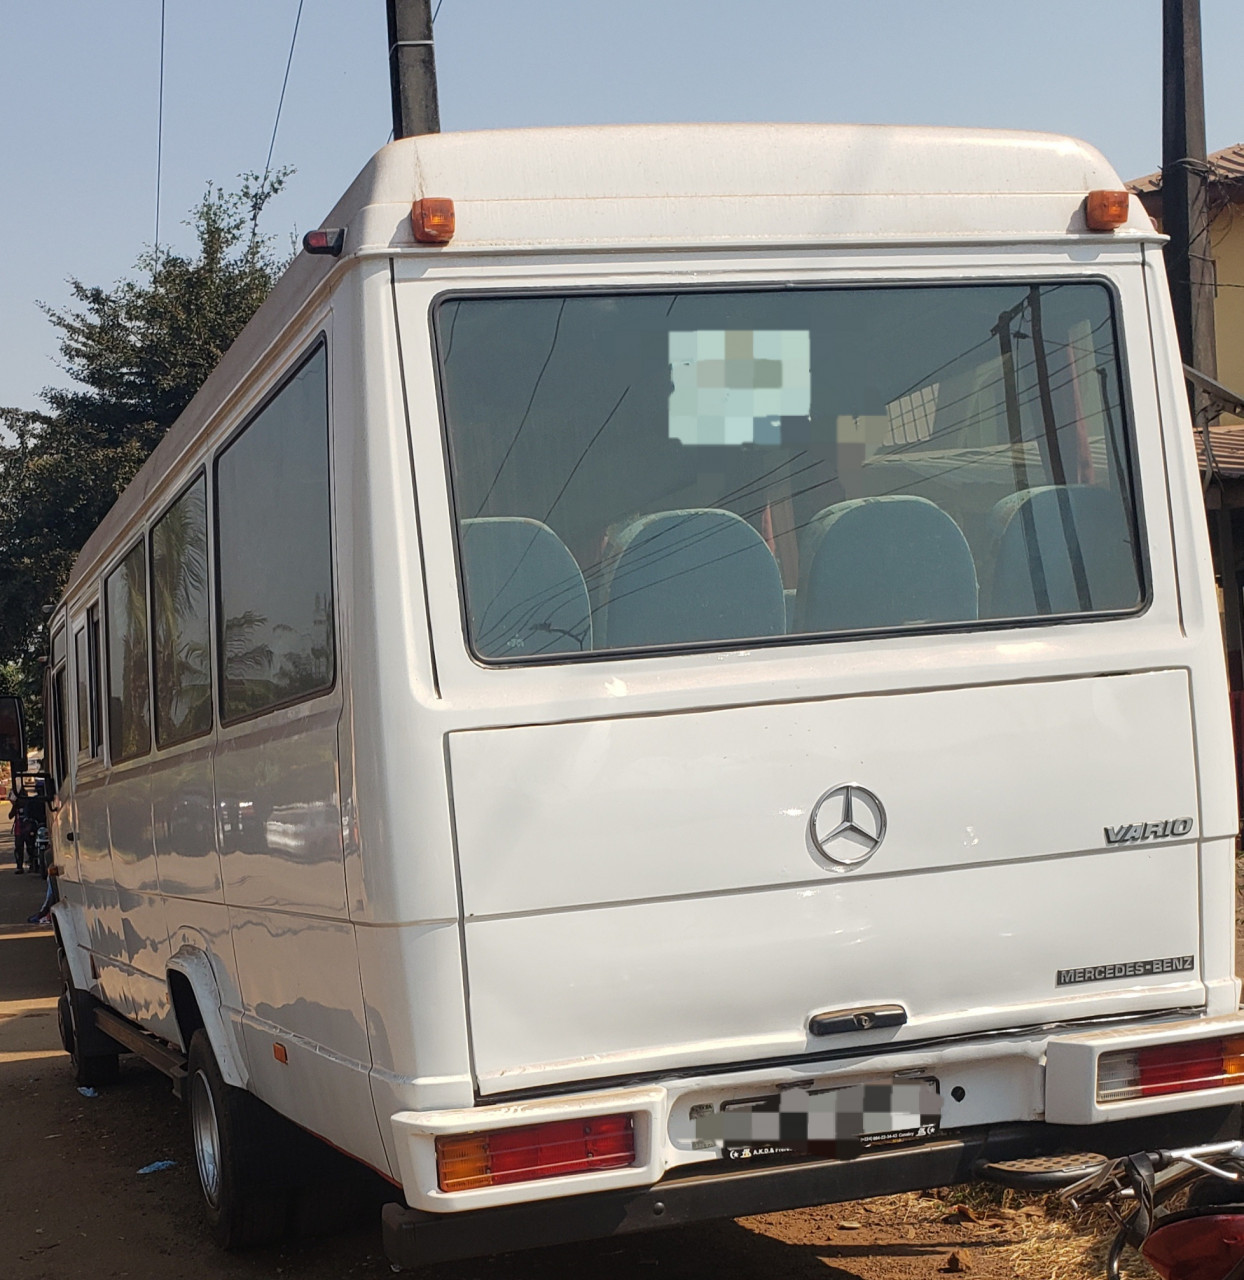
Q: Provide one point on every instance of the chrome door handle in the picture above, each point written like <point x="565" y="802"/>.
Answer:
<point x="839" y="1021"/>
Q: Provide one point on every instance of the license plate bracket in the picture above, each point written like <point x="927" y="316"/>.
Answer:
<point x="836" y="1123"/>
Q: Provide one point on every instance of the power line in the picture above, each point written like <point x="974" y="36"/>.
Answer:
<point x="289" y="62"/>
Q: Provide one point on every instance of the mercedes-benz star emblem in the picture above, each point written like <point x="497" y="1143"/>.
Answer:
<point x="846" y="826"/>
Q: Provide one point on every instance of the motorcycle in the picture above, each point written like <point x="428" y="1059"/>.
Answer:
<point x="1200" y="1239"/>
<point x="43" y="846"/>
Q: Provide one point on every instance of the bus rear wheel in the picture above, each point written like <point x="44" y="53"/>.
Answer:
<point x="245" y="1199"/>
<point x="74" y="1011"/>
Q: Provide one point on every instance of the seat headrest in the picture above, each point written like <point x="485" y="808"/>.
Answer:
<point x="699" y="574"/>
<point x="525" y="594"/>
<point x="1062" y="549"/>
<point x="890" y="561"/>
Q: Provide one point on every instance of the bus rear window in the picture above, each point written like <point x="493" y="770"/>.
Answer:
<point x="664" y="470"/>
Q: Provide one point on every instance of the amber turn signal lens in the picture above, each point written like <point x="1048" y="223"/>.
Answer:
<point x="1105" y="210"/>
<point x="433" y="220"/>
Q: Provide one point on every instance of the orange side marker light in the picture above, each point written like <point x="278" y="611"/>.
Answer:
<point x="432" y="220"/>
<point x="279" y="1052"/>
<point x="1105" y="210"/>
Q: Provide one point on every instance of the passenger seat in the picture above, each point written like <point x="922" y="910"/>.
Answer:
<point x="1061" y="549"/>
<point x="693" y="575"/>
<point x="525" y="593"/>
<point x="884" y="562"/>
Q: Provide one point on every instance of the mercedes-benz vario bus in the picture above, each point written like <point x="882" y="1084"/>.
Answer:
<point x="670" y="672"/>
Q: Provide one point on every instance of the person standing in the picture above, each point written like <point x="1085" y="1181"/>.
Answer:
<point x="17" y="812"/>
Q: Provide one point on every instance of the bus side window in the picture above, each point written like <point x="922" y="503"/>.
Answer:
<point x="275" y="591"/>
<point x="81" y="666"/>
<point x="58" y="757"/>
<point x="95" y="739"/>
<point x="129" y="715"/>
<point x="180" y="636"/>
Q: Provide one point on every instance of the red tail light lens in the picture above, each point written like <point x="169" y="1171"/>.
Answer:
<point x="1170" y="1068"/>
<point x="1176" y="1068"/>
<point x="534" y="1151"/>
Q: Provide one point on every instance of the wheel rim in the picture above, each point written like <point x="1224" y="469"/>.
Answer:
<point x="206" y="1133"/>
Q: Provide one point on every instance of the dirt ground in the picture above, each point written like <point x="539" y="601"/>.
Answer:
<point x="74" y="1206"/>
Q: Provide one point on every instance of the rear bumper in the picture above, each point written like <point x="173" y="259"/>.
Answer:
<point x="699" y="1192"/>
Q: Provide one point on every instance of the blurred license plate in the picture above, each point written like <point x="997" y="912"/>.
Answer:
<point x="837" y="1123"/>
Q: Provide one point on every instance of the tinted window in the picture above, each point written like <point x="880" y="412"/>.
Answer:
<point x="93" y="677"/>
<point x="272" y="512"/>
<point x="179" y="621"/>
<point x="81" y="667"/>
<point x="651" y="470"/>
<point x="125" y="601"/>
<point x="59" y="758"/>
<point x="86" y="670"/>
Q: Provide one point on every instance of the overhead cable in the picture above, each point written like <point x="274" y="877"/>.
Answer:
<point x="289" y="62"/>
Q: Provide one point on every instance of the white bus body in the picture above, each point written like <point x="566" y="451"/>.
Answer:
<point x="733" y="622"/>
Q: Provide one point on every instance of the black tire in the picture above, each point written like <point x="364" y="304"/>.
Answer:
<point x="246" y="1197"/>
<point x="73" y="1012"/>
<point x="64" y="1023"/>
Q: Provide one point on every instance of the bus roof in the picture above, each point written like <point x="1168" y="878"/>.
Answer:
<point x="686" y="186"/>
<point x="670" y="187"/>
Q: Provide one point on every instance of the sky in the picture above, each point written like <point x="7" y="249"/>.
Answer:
<point x="79" y="94"/>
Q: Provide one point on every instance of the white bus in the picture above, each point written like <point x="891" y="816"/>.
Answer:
<point x="670" y="672"/>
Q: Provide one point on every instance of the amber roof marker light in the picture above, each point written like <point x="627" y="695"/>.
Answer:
<point x="1105" y="210"/>
<point x="432" y="220"/>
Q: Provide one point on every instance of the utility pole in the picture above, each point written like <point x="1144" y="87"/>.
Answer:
<point x="1185" y="184"/>
<point x="1190" y="272"/>
<point x="412" y="68"/>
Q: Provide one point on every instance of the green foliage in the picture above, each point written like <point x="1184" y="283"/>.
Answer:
<point x="137" y="353"/>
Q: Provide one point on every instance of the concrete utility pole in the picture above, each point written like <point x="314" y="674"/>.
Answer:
<point x="1185" y="184"/>
<point x="412" y="68"/>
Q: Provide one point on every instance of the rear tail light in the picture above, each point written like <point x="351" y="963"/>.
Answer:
<point x="1170" y="1068"/>
<point x="498" y="1156"/>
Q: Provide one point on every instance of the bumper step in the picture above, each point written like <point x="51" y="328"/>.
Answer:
<point x="1041" y="1173"/>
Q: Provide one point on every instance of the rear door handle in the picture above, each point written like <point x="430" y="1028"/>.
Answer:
<point x="836" y="1022"/>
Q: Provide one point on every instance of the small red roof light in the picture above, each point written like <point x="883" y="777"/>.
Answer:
<point x="1105" y="210"/>
<point x="432" y="220"/>
<point x="327" y="240"/>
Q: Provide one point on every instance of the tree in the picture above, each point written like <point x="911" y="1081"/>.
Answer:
<point x="137" y="353"/>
